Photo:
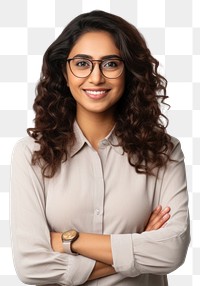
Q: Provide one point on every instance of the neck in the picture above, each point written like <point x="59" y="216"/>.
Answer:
<point x="95" y="127"/>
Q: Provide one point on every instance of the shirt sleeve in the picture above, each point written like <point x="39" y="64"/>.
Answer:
<point x="35" y="261"/>
<point x="164" y="250"/>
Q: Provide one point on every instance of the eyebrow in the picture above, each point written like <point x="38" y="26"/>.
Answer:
<point x="102" y="58"/>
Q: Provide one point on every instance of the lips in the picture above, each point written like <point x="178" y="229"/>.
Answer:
<point x="96" y="93"/>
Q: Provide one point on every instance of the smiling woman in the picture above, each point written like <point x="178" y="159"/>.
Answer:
<point x="98" y="182"/>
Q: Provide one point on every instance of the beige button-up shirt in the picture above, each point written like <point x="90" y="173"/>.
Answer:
<point x="97" y="192"/>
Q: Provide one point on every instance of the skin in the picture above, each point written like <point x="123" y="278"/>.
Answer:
<point x="95" y="117"/>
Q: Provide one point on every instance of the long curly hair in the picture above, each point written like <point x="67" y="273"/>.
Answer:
<point x="140" y="124"/>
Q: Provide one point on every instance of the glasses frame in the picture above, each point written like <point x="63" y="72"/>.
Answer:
<point x="100" y="66"/>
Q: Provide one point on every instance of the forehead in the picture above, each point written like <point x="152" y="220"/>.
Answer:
<point x="96" y="44"/>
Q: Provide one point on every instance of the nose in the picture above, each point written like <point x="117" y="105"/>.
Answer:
<point x="96" y="76"/>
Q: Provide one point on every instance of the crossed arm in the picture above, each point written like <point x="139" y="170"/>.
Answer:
<point x="98" y="247"/>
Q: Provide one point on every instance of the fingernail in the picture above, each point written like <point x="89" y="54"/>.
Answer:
<point x="166" y="216"/>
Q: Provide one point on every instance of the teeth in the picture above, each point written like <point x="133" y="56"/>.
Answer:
<point x="94" y="92"/>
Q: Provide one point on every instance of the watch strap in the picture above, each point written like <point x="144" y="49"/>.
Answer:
<point x="67" y="248"/>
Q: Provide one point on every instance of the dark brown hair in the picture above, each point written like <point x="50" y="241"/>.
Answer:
<point x="140" y="125"/>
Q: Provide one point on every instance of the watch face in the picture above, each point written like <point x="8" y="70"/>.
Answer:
<point x="69" y="235"/>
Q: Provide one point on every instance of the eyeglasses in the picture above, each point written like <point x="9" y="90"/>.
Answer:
<point x="82" y="67"/>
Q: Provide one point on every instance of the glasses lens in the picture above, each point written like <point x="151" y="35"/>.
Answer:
<point x="80" y="67"/>
<point x="112" y="68"/>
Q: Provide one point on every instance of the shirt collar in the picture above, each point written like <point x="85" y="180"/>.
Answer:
<point x="81" y="140"/>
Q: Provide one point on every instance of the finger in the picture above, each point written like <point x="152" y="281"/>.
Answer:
<point x="160" y="215"/>
<point x="155" y="213"/>
<point x="156" y="221"/>
<point x="161" y="218"/>
<point x="157" y="209"/>
<point x="152" y="218"/>
<point x="161" y="222"/>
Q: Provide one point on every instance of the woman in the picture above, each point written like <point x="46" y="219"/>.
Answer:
<point x="97" y="163"/>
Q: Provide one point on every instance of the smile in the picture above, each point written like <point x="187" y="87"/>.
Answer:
<point x="96" y="94"/>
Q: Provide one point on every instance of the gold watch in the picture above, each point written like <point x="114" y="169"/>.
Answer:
<point x="68" y="237"/>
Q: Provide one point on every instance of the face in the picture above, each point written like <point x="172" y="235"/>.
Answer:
<point x="95" y="93"/>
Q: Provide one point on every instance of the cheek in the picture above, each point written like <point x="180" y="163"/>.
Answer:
<point x="73" y="84"/>
<point x="69" y="77"/>
<point x="72" y="81"/>
<point x="74" y="87"/>
<point x="121" y="86"/>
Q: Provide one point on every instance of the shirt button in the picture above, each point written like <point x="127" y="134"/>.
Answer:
<point x="105" y="142"/>
<point x="97" y="211"/>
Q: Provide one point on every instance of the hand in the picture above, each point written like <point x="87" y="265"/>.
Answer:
<point x="158" y="218"/>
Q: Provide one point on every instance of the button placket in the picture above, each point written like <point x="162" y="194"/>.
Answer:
<point x="98" y="193"/>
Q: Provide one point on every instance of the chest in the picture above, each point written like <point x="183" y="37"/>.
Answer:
<point x="99" y="193"/>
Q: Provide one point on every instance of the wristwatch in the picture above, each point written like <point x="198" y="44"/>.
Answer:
<point x="68" y="237"/>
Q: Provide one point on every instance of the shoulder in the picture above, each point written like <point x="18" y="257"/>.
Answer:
<point x="175" y="140"/>
<point x="25" y="146"/>
<point x="21" y="160"/>
<point x="27" y="142"/>
<point x="176" y="153"/>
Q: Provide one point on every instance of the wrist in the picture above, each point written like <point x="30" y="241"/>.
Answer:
<point x="94" y="246"/>
<point x="68" y="238"/>
<point x="76" y="243"/>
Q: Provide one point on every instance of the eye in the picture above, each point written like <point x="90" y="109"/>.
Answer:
<point x="111" y="64"/>
<point x="81" y="63"/>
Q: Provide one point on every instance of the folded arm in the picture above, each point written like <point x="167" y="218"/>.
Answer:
<point x="98" y="247"/>
<point x="159" y="251"/>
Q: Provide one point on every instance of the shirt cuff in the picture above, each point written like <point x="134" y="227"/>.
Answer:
<point x="79" y="269"/>
<point x="123" y="255"/>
